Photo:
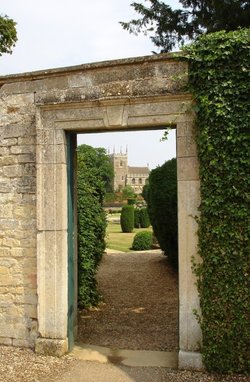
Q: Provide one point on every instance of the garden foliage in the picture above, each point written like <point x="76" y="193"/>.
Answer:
<point x="142" y="241"/>
<point x="91" y="183"/>
<point x="219" y="81"/>
<point x="127" y="218"/>
<point x="162" y="208"/>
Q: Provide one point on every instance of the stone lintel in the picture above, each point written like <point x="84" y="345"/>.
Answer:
<point x="52" y="347"/>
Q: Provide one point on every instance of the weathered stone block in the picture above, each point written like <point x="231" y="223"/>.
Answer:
<point x="26" y="158"/>
<point x="186" y="129"/>
<point x="6" y="211"/>
<point x="52" y="154"/>
<point x="4" y="252"/>
<point x="30" y="140"/>
<point x="52" y="203"/>
<point x="186" y="146"/>
<point x="6" y="341"/>
<point x="52" y="290"/>
<point x="8" y="142"/>
<point x="188" y="168"/>
<point x="8" y="160"/>
<point x="190" y="361"/>
<point x="23" y="343"/>
<point x="14" y="328"/>
<point x="20" y="252"/>
<point x="14" y="171"/>
<point x="24" y="211"/>
<point x="12" y="131"/>
<point x="24" y="149"/>
<point x="53" y="347"/>
<point x="4" y="151"/>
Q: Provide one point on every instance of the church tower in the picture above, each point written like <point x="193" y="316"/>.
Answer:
<point x="120" y="166"/>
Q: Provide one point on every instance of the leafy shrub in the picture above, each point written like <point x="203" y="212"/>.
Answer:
<point x="110" y="197"/>
<point x="131" y="201"/>
<point x="162" y="208"/>
<point x="142" y="241"/>
<point x="144" y="218"/>
<point x="219" y="80"/>
<point x="128" y="192"/>
<point x="127" y="218"/>
<point x="137" y="218"/>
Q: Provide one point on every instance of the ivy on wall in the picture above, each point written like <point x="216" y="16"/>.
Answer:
<point x="219" y="81"/>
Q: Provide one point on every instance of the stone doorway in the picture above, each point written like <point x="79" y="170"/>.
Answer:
<point x="108" y="115"/>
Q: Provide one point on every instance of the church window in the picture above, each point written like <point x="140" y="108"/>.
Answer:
<point x="140" y="180"/>
<point x="133" y="180"/>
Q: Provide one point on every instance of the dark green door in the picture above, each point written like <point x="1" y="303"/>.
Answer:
<point x="71" y="139"/>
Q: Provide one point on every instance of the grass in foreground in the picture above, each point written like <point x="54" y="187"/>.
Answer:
<point x="118" y="240"/>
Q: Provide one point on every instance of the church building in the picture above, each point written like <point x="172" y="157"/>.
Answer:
<point x="125" y="175"/>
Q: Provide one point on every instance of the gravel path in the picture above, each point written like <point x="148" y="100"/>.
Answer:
<point x="140" y="309"/>
<point x="22" y="365"/>
<point x="140" y="312"/>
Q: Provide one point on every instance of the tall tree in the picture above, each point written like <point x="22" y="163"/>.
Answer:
<point x="171" y="27"/>
<point x="8" y="34"/>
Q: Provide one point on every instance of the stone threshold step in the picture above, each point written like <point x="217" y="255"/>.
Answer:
<point x="140" y="358"/>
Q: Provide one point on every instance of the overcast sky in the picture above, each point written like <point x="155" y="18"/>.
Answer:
<point x="59" y="33"/>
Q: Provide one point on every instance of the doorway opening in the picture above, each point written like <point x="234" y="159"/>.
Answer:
<point x="139" y="310"/>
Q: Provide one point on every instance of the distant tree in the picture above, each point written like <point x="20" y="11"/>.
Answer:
<point x="128" y="192"/>
<point x="8" y="34"/>
<point x="171" y="27"/>
<point x="97" y="159"/>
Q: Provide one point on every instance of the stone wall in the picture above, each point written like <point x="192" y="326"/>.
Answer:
<point x="18" y="285"/>
<point x="37" y="110"/>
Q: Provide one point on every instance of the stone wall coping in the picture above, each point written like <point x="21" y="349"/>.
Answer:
<point x="40" y="74"/>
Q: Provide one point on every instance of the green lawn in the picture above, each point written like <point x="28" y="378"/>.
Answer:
<point x="118" y="240"/>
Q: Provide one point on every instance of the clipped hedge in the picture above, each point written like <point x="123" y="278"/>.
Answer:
<point x="142" y="241"/>
<point x="91" y="223"/>
<point x="127" y="218"/>
<point x="219" y="80"/>
<point x="137" y="218"/>
<point x="162" y="208"/>
<point x="144" y="218"/>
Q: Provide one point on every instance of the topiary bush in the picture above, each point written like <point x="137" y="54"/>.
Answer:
<point x="162" y="208"/>
<point x="144" y="218"/>
<point x="137" y="218"/>
<point x="219" y="81"/>
<point x="142" y="241"/>
<point x="127" y="218"/>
